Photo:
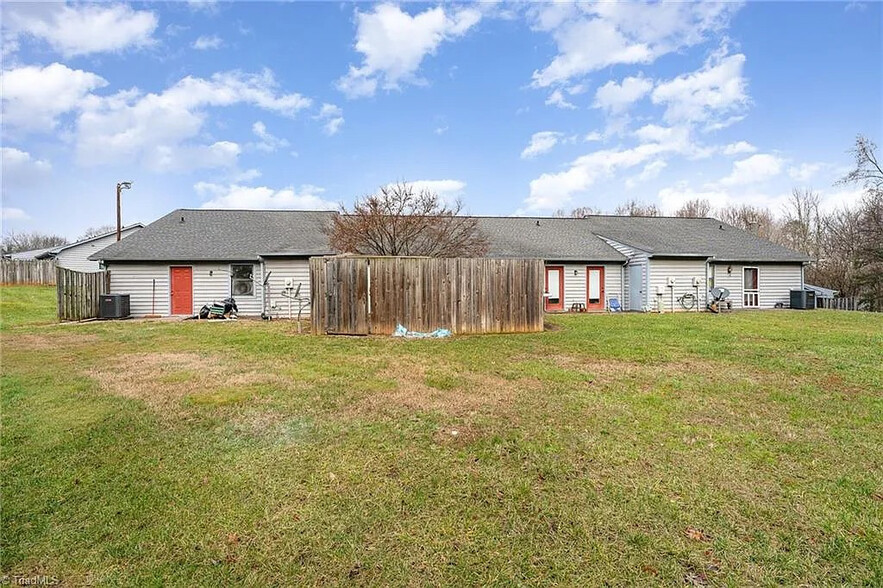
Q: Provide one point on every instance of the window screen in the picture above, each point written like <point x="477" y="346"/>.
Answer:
<point x="242" y="280"/>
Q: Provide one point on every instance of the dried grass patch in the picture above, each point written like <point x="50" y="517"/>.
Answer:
<point x="410" y="390"/>
<point x="164" y="380"/>
<point x="48" y="341"/>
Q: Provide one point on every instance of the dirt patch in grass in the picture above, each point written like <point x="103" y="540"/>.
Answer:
<point x="419" y="387"/>
<point x="164" y="380"/>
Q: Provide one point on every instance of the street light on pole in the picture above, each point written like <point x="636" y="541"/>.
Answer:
<point x="120" y="187"/>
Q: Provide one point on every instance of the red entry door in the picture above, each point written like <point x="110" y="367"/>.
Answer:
<point x="554" y="294"/>
<point x="595" y="288"/>
<point x="182" y="290"/>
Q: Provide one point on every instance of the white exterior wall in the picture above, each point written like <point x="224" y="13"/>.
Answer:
<point x="636" y="257"/>
<point x="683" y="271"/>
<point x="211" y="282"/>
<point x="280" y="269"/>
<point x="775" y="282"/>
<point x="136" y="279"/>
<point x="575" y="282"/>
<point x="77" y="257"/>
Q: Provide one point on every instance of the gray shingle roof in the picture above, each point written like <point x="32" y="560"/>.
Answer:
<point x="197" y="234"/>
<point x="553" y="239"/>
<point x="670" y="236"/>
<point x="214" y="235"/>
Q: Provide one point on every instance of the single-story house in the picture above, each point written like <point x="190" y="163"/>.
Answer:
<point x="26" y="255"/>
<point x="191" y="257"/>
<point x="75" y="256"/>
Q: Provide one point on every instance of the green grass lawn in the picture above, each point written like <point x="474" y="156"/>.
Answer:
<point x="738" y="449"/>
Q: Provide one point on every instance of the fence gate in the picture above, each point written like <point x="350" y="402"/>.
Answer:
<point x="346" y="286"/>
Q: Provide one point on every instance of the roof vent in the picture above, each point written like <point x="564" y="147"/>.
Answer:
<point x="538" y="223"/>
<point x="721" y="227"/>
<point x="182" y="219"/>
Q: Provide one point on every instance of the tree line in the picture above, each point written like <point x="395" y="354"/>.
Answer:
<point x="845" y="244"/>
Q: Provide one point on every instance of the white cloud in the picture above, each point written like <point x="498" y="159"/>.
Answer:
<point x="20" y="169"/>
<point x="651" y="171"/>
<point x="540" y="143"/>
<point x="157" y="129"/>
<point x="557" y="98"/>
<point x="306" y="197"/>
<point x="394" y="43"/>
<point x="804" y="172"/>
<point x="80" y="29"/>
<point x="715" y="90"/>
<point x="206" y="42"/>
<point x="269" y="142"/>
<point x="332" y="116"/>
<point x="593" y="36"/>
<point x="594" y="136"/>
<point x="674" y="197"/>
<point x="753" y="170"/>
<point x="16" y="161"/>
<point x="739" y="148"/>
<point x="551" y="191"/>
<point x="441" y="130"/>
<point x="10" y="214"/>
<point x="447" y="190"/>
<point x="247" y="175"/>
<point x="617" y="98"/>
<point x="34" y="97"/>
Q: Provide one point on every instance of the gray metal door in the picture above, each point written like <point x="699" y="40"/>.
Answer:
<point x="636" y="287"/>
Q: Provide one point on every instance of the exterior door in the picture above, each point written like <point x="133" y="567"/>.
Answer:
<point x="636" y="287"/>
<point x="181" y="280"/>
<point x="595" y="288"/>
<point x="750" y="290"/>
<point x="554" y="294"/>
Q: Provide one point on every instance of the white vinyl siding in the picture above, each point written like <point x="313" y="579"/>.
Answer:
<point x="775" y="282"/>
<point x="211" y="282"/>
<point x="280" y="269"/>
<point x="77" y="257"/>
<point x="137" y="280"/>
<point x="683" y="271"/>
<point x="636" y="257"/>
<point x="575" y="282"/>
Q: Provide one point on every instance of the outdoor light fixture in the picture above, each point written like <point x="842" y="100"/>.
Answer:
<point x="120" y="187"/>
<point x="729" y="269"/>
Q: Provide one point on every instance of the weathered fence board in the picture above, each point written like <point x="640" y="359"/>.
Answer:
<point x="27" y="271"/>
<point x="79" y="293"/>
<point x="362" y="295"/>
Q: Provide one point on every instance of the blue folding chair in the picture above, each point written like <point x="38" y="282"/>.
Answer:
<point x="613" y="305"/>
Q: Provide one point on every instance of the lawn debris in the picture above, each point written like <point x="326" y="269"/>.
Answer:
<point x="694" y="534"/>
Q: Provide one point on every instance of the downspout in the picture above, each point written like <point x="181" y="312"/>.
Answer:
<point x="707" y="273"/>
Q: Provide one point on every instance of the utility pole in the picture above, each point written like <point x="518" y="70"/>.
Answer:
<point x="120" y="187"/>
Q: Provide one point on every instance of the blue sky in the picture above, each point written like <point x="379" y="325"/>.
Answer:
<point x="514" y="108"/>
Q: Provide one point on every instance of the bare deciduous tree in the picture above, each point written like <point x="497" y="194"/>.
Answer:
<point x="636" y="208"/>
<point x="579" y="212"/>
<point x="867" y="170"/>
<point x="398" y="220"/>
<point x="95" y="231"/>
<point x="697" y="208"/>
<point x="14" y="242"/>
<point x="802" y="225"/>
<point x="755" y="220"/>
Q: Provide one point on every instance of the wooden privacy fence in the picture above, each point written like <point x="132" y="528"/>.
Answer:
<point x="27" y="271"/>
<point x="371" y="295"/>
<point x="79" y="293"/>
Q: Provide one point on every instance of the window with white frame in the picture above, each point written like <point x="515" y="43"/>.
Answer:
<point x="242" y="280"/>
<point x="750" y="291"/>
